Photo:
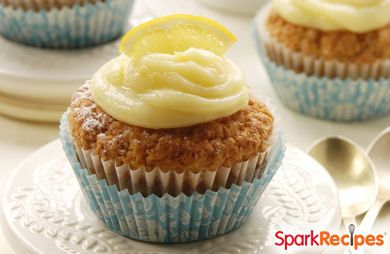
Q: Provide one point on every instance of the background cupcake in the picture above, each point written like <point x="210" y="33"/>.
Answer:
<point x="328" y="59"/>
<point x="63" y="24"/>
<point x="165" y="140"/>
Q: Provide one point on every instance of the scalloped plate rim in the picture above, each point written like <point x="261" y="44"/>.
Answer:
<point x="12" y="228"/>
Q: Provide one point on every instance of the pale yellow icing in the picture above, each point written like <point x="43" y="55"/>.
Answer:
<point x="329" y="15"/>
<point x="169" y="91"/>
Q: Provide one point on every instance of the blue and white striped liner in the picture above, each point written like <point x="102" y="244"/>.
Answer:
<point x="169" y="219"/>
<point x="66" y="28"/>
<point x="327" y="98"/>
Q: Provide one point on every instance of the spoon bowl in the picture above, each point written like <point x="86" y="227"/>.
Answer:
<point x="379" y="151"/>
<point x="352" y="170"/>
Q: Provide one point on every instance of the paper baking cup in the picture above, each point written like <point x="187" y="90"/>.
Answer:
<point x="332" y="99"/>
<point x="162" y="182"/>
<point x="159" y="182"/>
<point x="336" y="99"/>
<point x="171" y="219"/>
<point x="44" y="4"/>
<point x="309" y="65"/>
<point x="69" y="27"/>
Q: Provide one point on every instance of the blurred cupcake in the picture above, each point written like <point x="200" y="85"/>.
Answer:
<point x="165" y="139"/>
<point x="63" y="24"/>
<point x="328" y="59"/>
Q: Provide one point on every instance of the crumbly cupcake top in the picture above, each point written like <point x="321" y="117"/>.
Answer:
<point x="357" y="16"/>
<point x="207" y="146"/>
<point x="172" y="73"/>
<point x="344" y="46"/>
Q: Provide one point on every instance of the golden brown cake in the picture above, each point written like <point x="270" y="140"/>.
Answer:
<point x="208" y="146"/>
<point x="344" y="46"/>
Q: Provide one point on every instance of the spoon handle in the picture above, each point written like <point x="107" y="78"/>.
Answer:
<point x="370" y="217"/>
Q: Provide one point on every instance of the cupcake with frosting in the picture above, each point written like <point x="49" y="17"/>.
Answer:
<point x="64" y="24"/>
<point x="166" y="141"/>
<point x="328" y="59"/>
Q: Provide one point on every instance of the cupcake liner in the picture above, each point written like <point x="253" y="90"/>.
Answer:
<point x="171" y="219"/>
<point x="309" y="65"/>
<point x="159" y="182"/>
<point x="323" y="97"/>
<point x="45" y="4"/>
<point x="331" y="99"/>
<point x="66" y="28"/>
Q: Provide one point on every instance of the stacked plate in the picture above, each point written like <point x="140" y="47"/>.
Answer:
<point x="36" y="84"/>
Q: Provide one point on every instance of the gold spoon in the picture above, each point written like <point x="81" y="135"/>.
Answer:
<point x="379" y="152"/>
<point x="353" y="172"/>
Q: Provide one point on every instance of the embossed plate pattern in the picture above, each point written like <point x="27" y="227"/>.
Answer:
<point x="45" y="212"/>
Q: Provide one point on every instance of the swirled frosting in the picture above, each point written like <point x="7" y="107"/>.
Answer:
<point x="170" y="91"/>
<point x="352" y="15"/>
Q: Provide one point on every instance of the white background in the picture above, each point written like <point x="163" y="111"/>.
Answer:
<point x="18" y="139"/>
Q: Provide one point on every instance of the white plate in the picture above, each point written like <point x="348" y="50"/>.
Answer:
<point x="48" y="74"/>
<point x="30" y="110"/>
<point x="33" y="79"/>
<point x="45" y="212"/>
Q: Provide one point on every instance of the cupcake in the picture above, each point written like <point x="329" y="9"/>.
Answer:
<point x="166" y="141"/>
<point x="64" y="24"/>
<point x="328" y="59"/>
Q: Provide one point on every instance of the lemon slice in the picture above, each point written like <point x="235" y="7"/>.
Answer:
<point x="176" y="33"/>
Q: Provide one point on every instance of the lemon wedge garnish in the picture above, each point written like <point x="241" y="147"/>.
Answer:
<point x="176" y="33"/>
